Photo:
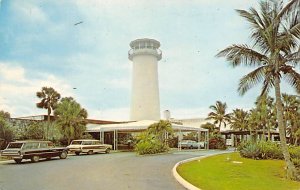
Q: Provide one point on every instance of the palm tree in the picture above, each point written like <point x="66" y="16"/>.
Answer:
<point x="49" y="99"/>
<point x="239" y="120"/>
<point x="71" y="118"/>
<point x="218" y="115"/>
<point x="291" y="115"/>
<point x="211" y="128"/>
<point x="275" y="31"/>
<point x="161" y="130"/>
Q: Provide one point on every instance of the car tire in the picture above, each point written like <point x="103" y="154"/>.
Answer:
<point x="18" y="161"/>
<point x="107" y="151"/>
<point x="63" y="155"/>
<point x="90" y="152"/>
<point x="191" y="147"/>
<point x="77" y="153"/>
<point x="35" y="158"/>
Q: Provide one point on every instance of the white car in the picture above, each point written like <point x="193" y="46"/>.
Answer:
<point x="88" y="146"/>
<point x="191" y="144"/>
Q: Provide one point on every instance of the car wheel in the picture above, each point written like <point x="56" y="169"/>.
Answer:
<point x="63" y="155"/>
<point x="18" y="161"/>
<point x="77" y="153"/>
<point x="35" y="158"/>
<point x="90" y="152"/>
<point x="107" y="150"/>
<point x="191" y="147"/>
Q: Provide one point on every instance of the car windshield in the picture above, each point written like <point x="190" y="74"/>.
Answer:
<point x="15" y="145"/>
<point x="76" y="142"/>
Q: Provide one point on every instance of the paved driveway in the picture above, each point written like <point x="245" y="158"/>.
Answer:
<point x="99" y="171"/>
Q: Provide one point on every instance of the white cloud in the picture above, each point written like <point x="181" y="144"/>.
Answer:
<point x="13" y="73"/>
<point x="19" y="99"/>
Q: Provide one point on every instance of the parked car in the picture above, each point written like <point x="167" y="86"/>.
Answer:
<point x="191" y="144"/>
<point x="88" y="146"/>
<point x="33" y="150"/>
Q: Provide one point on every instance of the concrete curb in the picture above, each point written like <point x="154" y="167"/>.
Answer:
<point x="182" y="181"/>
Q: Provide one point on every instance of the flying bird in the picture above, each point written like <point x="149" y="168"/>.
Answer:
<point x="78" y="23"/>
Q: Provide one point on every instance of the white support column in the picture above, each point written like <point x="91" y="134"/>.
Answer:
<point x="207" y="140"/>
<point x="114" y="140"/>
<point x="199" y="134"/>
<point x="179" y="140"/>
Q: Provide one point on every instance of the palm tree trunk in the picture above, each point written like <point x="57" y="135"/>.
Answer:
<point x="291" y="172"/>
<point x="48" y="120"/>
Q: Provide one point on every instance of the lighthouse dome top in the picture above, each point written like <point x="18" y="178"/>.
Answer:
<point x="144" y="42"/>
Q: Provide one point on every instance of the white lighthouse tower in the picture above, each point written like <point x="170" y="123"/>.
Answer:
<point x="144" y="55"/>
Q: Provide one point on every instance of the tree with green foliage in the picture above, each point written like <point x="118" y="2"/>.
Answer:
<point x="239" y="120"/>
<point x="154" y="139"/>
<point x="219" y="115"/>
<point x="162" y="130"/>
<point x="275" y="31"/>
<point x="291" y="105"/>
<point x="6" y="131"/>
<point x="71" y="118"/>
<point x="49" y="99"/>
<point x="34" y="130"/>
<point x="212" y="128"/>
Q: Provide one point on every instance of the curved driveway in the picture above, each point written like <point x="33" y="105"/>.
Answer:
<point x="99" y="171"/>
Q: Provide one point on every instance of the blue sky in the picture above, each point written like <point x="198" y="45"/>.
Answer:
<point x="41" y="46"/>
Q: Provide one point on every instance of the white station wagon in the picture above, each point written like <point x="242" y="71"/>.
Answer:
<point x="88" y="146"/>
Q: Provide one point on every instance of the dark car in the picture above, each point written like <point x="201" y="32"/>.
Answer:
<point x="33" y="150"/>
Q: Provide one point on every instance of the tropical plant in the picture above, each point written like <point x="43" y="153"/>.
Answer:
<point x="239" y="120"/>
<point x="275" y="31"/>
<point x="35" y="130"/>
<point x="70" y="118"/>
<point x="49" y="99"/>
<point x="219" y="115"/>
<point x="266" y="114"/>
<point x="217" y="142"/>
<point x="154" y="139"/>
<point x="212" y="128"/>
<point x="162" y="130"/>
<point x="291" y="105"/>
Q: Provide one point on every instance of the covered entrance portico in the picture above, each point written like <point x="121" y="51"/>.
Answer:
<point x="121" y="135"/>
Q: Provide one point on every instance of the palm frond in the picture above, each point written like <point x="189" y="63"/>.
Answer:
<point x="242" y="54"/>
<point x="251" y="79"/>
<point x="293" y="78"/>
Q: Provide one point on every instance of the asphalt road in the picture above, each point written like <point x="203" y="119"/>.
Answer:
<point x="115" y="171"/>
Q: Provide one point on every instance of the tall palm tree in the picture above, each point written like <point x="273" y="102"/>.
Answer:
<point x="49" y="99"/>
<point x="275" y="31"/>
<point x="218" y="115"/>
<point x="239" y="120"/>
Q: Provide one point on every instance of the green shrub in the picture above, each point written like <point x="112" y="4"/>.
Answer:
<point x="217" y="142"/>
<point x="269" y="150"/>
<point x="250" y="150"/>
<point x="296" y="162"/>
<point x="150" y="147"/>
<point x="295" y="151"/>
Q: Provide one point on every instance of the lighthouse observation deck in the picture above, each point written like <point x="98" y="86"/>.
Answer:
<point x="145" y="47"/>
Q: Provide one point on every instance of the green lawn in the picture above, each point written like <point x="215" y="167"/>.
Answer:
<point x="220" y="173"/>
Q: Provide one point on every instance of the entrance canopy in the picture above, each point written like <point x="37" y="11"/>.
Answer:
<point x="136" y="126"/>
